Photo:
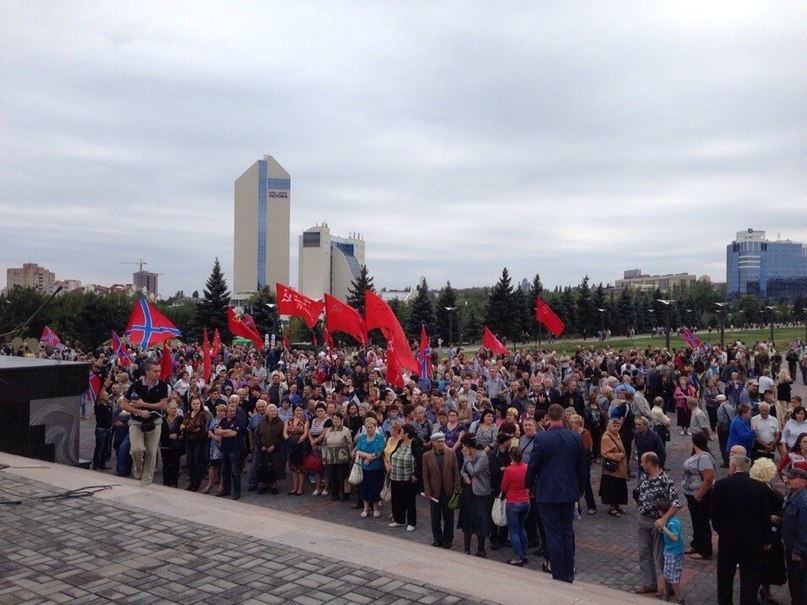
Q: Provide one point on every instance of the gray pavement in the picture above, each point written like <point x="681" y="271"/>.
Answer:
<point x="606" y="550"/>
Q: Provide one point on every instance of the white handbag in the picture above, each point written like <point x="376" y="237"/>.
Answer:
<point x="499" y="511"/>
<point x="356" y="474"/>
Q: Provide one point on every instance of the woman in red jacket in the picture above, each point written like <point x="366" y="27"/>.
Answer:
<point x="518" y="506"/>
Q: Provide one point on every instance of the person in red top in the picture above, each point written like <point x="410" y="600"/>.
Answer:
<point x="518" y="506"/>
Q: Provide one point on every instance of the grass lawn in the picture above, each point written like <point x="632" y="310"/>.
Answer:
<point x="782" y="336"/>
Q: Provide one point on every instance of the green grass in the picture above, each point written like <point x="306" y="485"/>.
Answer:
<point x="782" y="336"/>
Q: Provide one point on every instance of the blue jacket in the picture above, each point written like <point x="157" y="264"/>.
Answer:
<point x="740" y="433"/>
<point x="794" y="523"/>
<point x="557" y="466"/>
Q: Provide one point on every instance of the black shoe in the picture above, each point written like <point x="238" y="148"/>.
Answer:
<point x="447" y="545"/>
<point x="273" y="491"/>
<point x="481" y="553"/>
<point x="435" y="543"/>
<point x="222" y="494"/>
<point x="237" y="496"/>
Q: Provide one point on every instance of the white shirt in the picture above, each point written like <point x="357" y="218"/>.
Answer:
<point x="765" y="429"/>
<point x="765" y="383"/>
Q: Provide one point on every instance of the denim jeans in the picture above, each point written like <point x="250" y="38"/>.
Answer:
<point x="231" y="472"/>
<point x="102" y="439"/>
<point x="123" y="466"/>
<point x="516" y="520"/>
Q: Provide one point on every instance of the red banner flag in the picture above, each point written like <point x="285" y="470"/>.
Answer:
<point x="341" y="317"/>
<point x="378" y="314"/>
<point x="216" y="343"/>
<point x="291" y="302"/>
<point x="165" y="362"/>
<point x="328" y="339"/>
<point x="148" y="327"/>
<point x="206" y="365"/>
<point x="424" y="355"/>
<point x="547" y="317"/>
<point x="238" y="328"/>
<point x="489" y="341"/>
<point x="393" y="375"/>
<point x="93" y="388"/>
<point x="286" y="343"/>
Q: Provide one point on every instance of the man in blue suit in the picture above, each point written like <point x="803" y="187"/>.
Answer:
<point x="557" y="472"/>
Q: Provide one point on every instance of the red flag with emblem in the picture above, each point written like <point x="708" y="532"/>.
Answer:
<point x="393" y="375"/>
<point x="286" y="342"/>
<point x="291" y="302"/>
<point x="238" y="328"/>
<point x="547" y="317"/>
<point x="489" y="341"/>
<point x="216" y="343"/>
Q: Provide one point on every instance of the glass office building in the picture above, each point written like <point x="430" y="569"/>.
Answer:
<point x="768" y="269"/>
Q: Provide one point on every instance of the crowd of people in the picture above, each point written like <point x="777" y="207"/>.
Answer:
<point x="531" y="426"/>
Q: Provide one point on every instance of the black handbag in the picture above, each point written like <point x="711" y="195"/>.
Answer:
<point x="610" y="465"/>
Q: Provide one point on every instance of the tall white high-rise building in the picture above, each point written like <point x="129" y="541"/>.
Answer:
<point x="328" y="263"/>
<point x="261" y="227"/>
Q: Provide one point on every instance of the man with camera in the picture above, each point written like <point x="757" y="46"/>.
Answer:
<point x="145" y="400"/>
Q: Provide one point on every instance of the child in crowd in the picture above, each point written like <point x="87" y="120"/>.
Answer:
<point x="673" y="553"/>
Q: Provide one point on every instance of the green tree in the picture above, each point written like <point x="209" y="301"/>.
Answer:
<point x="446" y="298"/>
<point x="265" y="316"/>
<point x="522" y="317"/>
<point x="355" y="293"/>
<point x="586" y="315"/>
<point x="599" y="301"/>
<point x="421" y="312"/>
<point x="212" y="310"/>
<point x="536" y="290"/>
<point x="501" y="309"/>
<point x="626" y="314"/>
<point x="566" y="310"/>
<point x="183" y="315"/>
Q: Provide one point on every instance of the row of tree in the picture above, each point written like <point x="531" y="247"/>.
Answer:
<point x="449" y="315"/>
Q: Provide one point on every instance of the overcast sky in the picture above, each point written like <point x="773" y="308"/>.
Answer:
<point x="561" y="138"/>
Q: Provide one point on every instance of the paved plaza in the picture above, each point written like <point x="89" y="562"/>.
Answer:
<point x="160" y="544"/>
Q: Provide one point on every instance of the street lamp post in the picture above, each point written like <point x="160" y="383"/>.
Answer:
<point x="272" y="307"/>
<point x="770" y="309"/>
<point x="721" y="318"/>
<point x="652" y="322"/>
<point x="450" y="311"/>
<point x="666" y="304"/>
<point x="804" y="312"/>
<point x="602" y="324"/>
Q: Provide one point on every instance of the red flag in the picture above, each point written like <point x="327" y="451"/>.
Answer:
<point x="489" y="341"/>
<point x="147" y="326"/>
<point x="328" y="340"/>
<point x="206" y="365"/>
<point x="547" y="317"/>
<point x="424" y="355"/>
<point x="238" y="328"/>
<point x="341" y="317"/>
<point x="378" y="314"/>
<point x="291" y="302"/>
<point x="49" y="337"/>
<point x="286" y="342"/>
<point x="249" y="322"/>
<point x="216" y="343"/>
<point x="165" y="362"/>
<point x="393" y="376"/>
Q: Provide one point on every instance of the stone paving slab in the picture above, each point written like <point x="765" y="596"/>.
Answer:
<point x="606" y="550"/>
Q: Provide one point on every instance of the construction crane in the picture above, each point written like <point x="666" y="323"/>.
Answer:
<point x="140" y="262"/>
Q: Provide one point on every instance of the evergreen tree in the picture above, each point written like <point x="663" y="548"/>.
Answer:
<point x="501" y="309"/>
<point x="212" y="310"/>
<point x="536" y="290"/>
<point x="446" y="298"/>
<point x="566" y="311"/>
<point x="626" y="314"/>
<point x="355" y="294"/>
<point x="265" y="317"/>
<point x="586" y="315"/>
<point x="598" y="301"/>
<point x="421" y="312"/>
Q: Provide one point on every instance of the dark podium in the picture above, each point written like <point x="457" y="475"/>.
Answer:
<point x="40" y="407"/>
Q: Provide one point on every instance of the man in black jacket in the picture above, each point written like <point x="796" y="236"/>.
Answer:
<point x="740" y="518"/>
